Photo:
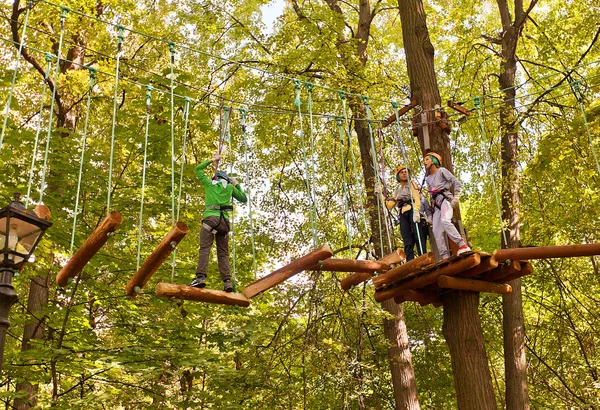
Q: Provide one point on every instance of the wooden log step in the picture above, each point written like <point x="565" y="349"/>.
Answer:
<point x="168" y="290"/>
<point x="394" y="258"/>
<point x="450" y="282"/>
<point x="488" y="262"/>
<point x="289" y="270"/>
<point x="399" y="272"/>
<point x="496" y="274"/>
<point x="90" y="247"/>
<point x="545" y="252"/>
<point x="362" y="272"/>
<point x="158" y="256"/>
<point x="422" y="298"/>
<point x="526" y="269"/>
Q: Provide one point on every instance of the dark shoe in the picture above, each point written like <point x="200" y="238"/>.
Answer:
<point x="227" y="285"/>
<point x="199" y="282"/>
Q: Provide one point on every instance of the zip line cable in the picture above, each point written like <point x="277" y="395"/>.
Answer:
<point x="114" y="118"/>
<point x="345" y="195"/>
<point x="579" y="97"/>
<point x="243" y="114"/>
<point x="144" y="163"/>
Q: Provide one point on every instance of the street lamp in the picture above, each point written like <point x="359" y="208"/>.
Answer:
<point x="20" y="232"/>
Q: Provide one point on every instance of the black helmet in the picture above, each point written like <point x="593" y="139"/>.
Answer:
<point x="222" y="175"/>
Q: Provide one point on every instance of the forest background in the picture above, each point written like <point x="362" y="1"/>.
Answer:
<point x="306" y="344"/>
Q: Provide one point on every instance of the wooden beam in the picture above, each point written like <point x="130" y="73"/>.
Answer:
<point x="423" y="298"/>
<point x="89" y="248"/>
<point x="350" y="265"/>
<point x="545" y="252"/>
<point x="450" y="282"/>
<point x="526" y="269"/>
<point x="399" y="272"/>
<point x="458" y="108"/>
<point x="355" y="279"/>
<point x="502" y="271"/>
<point x="158" y="256"/>
<point x="452" y="268"/>
<point x="289" y="270"/>
<point x="401" y="112"/>
<point x="486" y="264"/>
<point x="387" y="293"/>
<point x="168" y="290"/>
<point x="394" y="258"/>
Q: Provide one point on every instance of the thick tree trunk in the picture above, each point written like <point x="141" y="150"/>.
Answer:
<point x="515" y="364"/>
<point x="461" y="317"/>
<point x="463" y="333"/>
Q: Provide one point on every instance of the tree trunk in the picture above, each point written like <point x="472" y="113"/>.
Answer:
<point x="463" y="333"/>
<point x="515" y="364"/>
<point x="462" y="328"/>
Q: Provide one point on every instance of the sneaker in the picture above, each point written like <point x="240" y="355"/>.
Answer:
<point x="227" y="285"/>
<point x="199" y="282"/>
<point x="463" y="249"/>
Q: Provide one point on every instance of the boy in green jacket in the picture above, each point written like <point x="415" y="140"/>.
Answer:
<point x="215" y="222"/>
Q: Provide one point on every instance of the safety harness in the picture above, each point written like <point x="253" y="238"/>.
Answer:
<point x="434" y="194"/>
<point x="222" y="209"/>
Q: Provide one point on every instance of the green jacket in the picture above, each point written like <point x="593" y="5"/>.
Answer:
<point x="216" y="194"/>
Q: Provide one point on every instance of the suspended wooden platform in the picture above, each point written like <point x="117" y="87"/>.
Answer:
<point x="296" y="266"/>
<point x="382" y="265"/>
<point x="90" y="247"/>
<point x="168" y="290"/>
<point x="422" y="281"/>
<point x="158" y="256"/>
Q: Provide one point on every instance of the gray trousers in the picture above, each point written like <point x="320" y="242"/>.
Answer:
<point x="221" y="225"/>
<point x="442" y="223"/>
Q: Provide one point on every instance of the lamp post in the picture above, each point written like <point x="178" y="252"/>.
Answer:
<point x="20" y="233"/>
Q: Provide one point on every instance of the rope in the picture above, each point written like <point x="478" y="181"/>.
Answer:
<point x="344" y="186"/>
<point x="478" y="108"/>
<point x="579" y="97"/>
<point x="114" y="119"/>
<point x="14" y="77"/>
<point x="309" y="88"/>
<point x="92" y="73"/>
<point x="405" y="159"/>
<point x="139" y="247"/>
<point x="374" y="153"/>
<point x="225" y="113"/>
<point x="38" y="128"/>
<point x="382" y="179"/>
<point x="353" y="159"/>
<point x="232" y="224"/>
<point x="63" y="16"/>
<point x="172" y="51"/>
<point x="298" y="103"/>
<point x="244" y="131"/>
<point x="186" y="115"/>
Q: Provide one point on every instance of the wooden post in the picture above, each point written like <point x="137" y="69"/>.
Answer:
<point x="423" y="298"/>
<point x="473" y="285"/>
<point x="451" y="269"/>
<point x="486" y="264"/>
<point x="544" y="252"/>
<point x="502" y="271"/>
<point x="156" y="258"/>
<point x="89" y="248"/>
<point x="167" y="290"/>
<point x="288" y="271"/>
<point x="399" y="272"/>
<point x="526" y="269"/>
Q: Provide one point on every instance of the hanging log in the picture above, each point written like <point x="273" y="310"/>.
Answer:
<point x="350" y="265"/>
<point x="502" y="271"/>
<point x="289" y="270"/>
<point x="422" y="298"/>
<point x="399" y="272"/>
<point x="168" y="290"/>
<point x="486" y="265"/>
<point x="450" y="282"/>
<point x="526" y="269"/>
<point x="158" y="256"/>
<point x="362" y="273"/>
<point x="451" y="269"/>
<point x="89" y="248"/>
<point x="545" y="252"/>
<point x="393" y="258"/>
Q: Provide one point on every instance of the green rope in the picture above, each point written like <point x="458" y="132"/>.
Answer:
<point x="92" y="72"/>
<point x="14" y="77"/>
<point x="232" y="221"/>
<point x="345" y="198"/>
<point x="579" y="97"/>
<point x="353" y="159"/>
<point x="39" y="127"/>
<point x="114" y="117"/>
<point x="244" y="131"/>
<point x="186" y="115"/>
<point x="492" y="177"/>
<point x="172" y="51"/>
<point x="63" y="16"/>
<point x="405" y="159"/>
<point x="312" y="162"/>
<point x="298" y="103"/>
<point x="139" y="247"/>
<point x="375" y="170"/>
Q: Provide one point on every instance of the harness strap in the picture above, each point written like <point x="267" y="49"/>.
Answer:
<point x="220" y="207"/>
<point x="209" y="228"/>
